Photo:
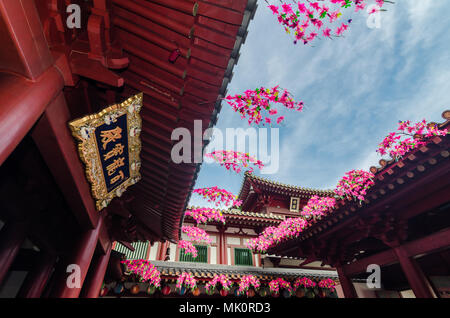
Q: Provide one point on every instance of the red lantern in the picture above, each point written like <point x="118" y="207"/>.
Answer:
<point x="251" y="293"/>
<point x="223" y="292"/>
<point x="300" y="293"/>
<point x="196" y="292"/>
<point x="134" y="290"/>
<point x="165" y="290"/>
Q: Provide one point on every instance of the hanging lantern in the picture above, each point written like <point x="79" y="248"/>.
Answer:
<point x="300" y="293"/>
<point x="165" y="290"/>
<point x="322" y="293"/>
<point x="151" y="290"/>
<point x="332" y="293"/>
<point x="223" y="292"/>
<point x="310" y="294"/>
<point x="263" y="292"/>
<point x="135" y="289"/>
<point x="182" y="291"/>
<point x="119" y="288"/>
<point x="196" y="292"/>
<point x="286" y="294"/>
<point x="251" y="293"/>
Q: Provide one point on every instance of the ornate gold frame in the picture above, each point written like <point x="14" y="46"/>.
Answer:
<point x="298" y="204"/>
<point x="83" y="129"/>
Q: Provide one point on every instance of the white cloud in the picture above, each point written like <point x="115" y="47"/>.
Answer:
<point x="355" y="88"/>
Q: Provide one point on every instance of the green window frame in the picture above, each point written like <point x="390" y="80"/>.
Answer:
<point x="140" y="250"/>
<point x="202" y="256"/>
<point x="243" y="256"/>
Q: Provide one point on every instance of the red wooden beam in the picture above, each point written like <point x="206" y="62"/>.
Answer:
<point x="160" y="30"/>
<point x="143" y="10"/>
<point x="435" y="198"/>
<point x="185" y="6"/>
<point x="58" y="149"/>
<point x="162" y="64"/>
<point x="83" y="66"/>
<point x="414" y="274"/>
<point x="80" y="256"/>
<point x="421" y="246"/>
<point x="428" y="244"/>
<point x="96" y="275"/>
<point x="152" y="91"/>
<point x="347" y="286"/>
<point x="35" y="282"/>
<point x="154" y="80"/>
<point x="414" y="190"/>
<point x="223" y="27"/>
<point x="384" y="258"/>
<point x="220" y="13"/>
<point x="24" y="48"/>
<point x="149" y="36"/>
<point x="23" y="102"/>
<point x="12" y="236"/>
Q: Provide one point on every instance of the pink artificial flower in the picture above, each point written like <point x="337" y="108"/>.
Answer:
<point x="287" y="8"/>
<point x="274" y="9"/>
<point x="327" y="32"/>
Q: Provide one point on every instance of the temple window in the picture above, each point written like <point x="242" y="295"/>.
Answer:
<point x="201" y="258"/>
<point x="243" y="256"/>
<point x="140" y="250"/>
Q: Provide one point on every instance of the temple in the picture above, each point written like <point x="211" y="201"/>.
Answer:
<point x="402" y="227"/>
<point x="67" y="59"/>
<point x="92" y="91"/>
<point x="270" y="203"/>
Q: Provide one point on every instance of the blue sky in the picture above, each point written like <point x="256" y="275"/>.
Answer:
<point x="355" y="89"/>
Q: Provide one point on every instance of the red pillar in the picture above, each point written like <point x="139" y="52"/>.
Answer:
<point x="11" y="238"/>
<point x="58" y="148"/>
<point x="28" y="82"/>
<point x="414" y="274"/>
<point x="96" y="276"/>
<point x="222" y="247"/>
<point x="219" y="246"/>
<point x="346" y="283"/>
<point x="162" y="251"/>
<point x="81" y="256"/>
<point x="36" y="280"/>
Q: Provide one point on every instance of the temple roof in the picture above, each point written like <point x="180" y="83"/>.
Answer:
<point x="206" y="271"/>
<point x="254" y="184"/>
<point x="393" y="181"/>
<point x="239" y="213"/>
<point x="277" y="187"/>
<point x="208" y="37"/>
<point x="238" y="217"/>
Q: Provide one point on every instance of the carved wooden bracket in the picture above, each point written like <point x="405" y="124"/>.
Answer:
<point x="90" y="51"/>
<point x="393" y="231"/>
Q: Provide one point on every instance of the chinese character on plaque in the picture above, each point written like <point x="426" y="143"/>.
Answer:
<point x="294" y="207"/>
<point x="109" y="145"/>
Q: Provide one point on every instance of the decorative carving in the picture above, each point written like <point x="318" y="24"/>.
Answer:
<point x="103" y="180"/>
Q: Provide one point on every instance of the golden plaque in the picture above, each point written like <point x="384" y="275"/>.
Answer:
<point x="109" y="145"/>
